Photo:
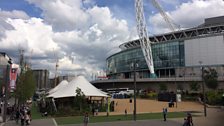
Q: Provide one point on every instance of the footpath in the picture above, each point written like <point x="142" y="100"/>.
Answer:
<point x="215" y="117"/>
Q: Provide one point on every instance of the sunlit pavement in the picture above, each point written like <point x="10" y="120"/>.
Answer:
<point x="215" y="118"/>
<point x="40" y="122"/>
<point x="136" y="123"/>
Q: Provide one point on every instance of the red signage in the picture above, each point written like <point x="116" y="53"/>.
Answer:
<point x="13" y="77"/>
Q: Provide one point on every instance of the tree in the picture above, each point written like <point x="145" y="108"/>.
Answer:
<point x="195" y="86"/>
<point x="162" y="87"/>
<point x="80" y="100"/>
<point x="210" y="78"/>
<point x="25" y="87"/>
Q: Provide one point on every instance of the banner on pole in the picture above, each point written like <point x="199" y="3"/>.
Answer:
<point x="13" y="77"/>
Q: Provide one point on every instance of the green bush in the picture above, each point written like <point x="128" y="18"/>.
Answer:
<point x="69" y="111"/>
<point x="214" y="97"/>
<point x="150" y="95"/>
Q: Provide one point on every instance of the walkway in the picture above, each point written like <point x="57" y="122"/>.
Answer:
<point x="40" y="122"/>
<point x="215" y="118"/>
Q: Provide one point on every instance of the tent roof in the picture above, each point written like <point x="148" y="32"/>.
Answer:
<point x="59" y="86"/>
<point x="69" y="90"/>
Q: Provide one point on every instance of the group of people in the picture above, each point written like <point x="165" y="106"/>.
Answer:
<point x="24" y="115"/>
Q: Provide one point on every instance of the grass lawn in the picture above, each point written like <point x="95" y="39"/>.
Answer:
<point x="34" y="112"/>
<point x="111" y="118"/>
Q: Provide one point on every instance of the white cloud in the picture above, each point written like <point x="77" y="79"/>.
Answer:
<point x="13" y="14"/>
<point x="29" y="34"/>
<point x="189" y="14"/>
<point x="62" y="14"/>
<point x="86" y="34"/>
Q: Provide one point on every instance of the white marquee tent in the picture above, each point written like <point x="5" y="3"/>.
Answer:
<point x="69" y="90"/>
<point x="59" y="86"/>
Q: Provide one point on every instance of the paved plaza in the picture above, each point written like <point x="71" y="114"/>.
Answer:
<point x="215" y="118"/>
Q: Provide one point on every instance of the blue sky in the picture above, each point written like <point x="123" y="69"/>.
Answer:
<point x="84" y="35"/>
<point x="123" y="9"/>
<point x="30" y="9"/>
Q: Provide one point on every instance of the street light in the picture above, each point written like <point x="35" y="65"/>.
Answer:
<point x="134" y="65"/>
<point x="203" y="87"/>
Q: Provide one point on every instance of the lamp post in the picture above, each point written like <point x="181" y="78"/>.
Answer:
<point x="176" y="88"/>
<point x="134" y="65"/>
<point x="203" y="87"/>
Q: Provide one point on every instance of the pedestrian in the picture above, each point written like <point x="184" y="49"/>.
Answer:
<point x="185" y="122"/>
<point x="164" y="114"/>
<point x="17" y="115"/>
<point x="27" y="118"/>
<point x="93" y="111"/>
<point x="189" y="119"/>
<point x="96" y="111"/>
<point x="86" y="119"/>
<point x="22" y="117"/>
<point x="125" y="112"/>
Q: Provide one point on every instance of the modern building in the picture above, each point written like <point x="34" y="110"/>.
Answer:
<point x="177" y="56"/>
<point x="4" y="61"/>
<point x="42" y="79"/>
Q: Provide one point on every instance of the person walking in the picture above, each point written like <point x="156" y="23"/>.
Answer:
<point x="86" y="119"/>
<point x="125" y="112"/>
<point x="27" y="119"/>
<point x="164" y="114"/>
<point x="22" y="117"/>
<point x="189" y="120"/>
<point x="17" y="115"/>
<point x="93" y="111"/>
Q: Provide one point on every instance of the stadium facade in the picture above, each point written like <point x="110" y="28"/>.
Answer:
<point x="177" y="56"/>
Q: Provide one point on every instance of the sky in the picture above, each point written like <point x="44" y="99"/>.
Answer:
<point x="81" y="34"/>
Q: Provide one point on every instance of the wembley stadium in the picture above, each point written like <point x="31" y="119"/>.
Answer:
<point x="177" y="56"/>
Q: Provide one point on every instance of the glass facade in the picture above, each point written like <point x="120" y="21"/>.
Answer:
<point x="165" y="55"/>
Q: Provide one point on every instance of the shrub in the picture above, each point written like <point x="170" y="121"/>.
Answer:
<point x="214" y="97"/>
<point x="150" y="95"/>
<point x="162" y="87"/>
<point x="210" y="78"/>
<point x="195" y="86"/>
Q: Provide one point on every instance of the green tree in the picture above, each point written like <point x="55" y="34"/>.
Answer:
<point x="162" y="87"/>
<point x="80" y="100"/>
<point x="25" y="86"/>
<point x="210" y="78"/>
<point x="194" y="86"/>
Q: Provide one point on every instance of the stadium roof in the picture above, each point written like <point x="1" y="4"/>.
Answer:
<point x="211" y="26"/>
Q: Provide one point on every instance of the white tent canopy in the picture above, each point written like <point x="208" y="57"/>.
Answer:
<point x="59" y="86"/>
<point x="69" y="90"/>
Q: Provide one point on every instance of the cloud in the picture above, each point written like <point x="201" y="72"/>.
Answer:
<point x="15" y="14"/>
<point x="81" y="37"/>
<point x="189" y="14"/>
<point x="63" y="15"/>
<point x="29" y="34"/>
